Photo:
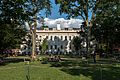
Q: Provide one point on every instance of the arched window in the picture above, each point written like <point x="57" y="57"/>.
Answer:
<point x="61" y="37"/>
<point x="65" y="37"/>
<point x="69" y="37"/>
<point x="50" y="37"/>
<point x="55" y="37"/>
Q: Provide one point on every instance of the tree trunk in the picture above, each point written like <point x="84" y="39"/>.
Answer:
<point x="34" y="41"/>
<point x="33" y="45"/>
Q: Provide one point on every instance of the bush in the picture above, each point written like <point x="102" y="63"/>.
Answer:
<point x="56" y="64"/>
<point x="44" y="60"/>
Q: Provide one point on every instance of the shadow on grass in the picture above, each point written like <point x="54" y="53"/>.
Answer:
<point x="97" y="71"/>
<point x="65" y="63"/>
<point x="96" y="74"/>
<point x="11" y="60"/>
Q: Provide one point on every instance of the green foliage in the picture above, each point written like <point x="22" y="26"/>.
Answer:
<point x="10" y="36"/>
<point x="104" y="21"/>
<point x="75" y="8"/>
<point x="13" y="14"/>
<point x="44" y="45"/>
<point x="11" y="19"/>
<point x="77" y="43"/>
<point x="82" y="9"/>
<point x="107" y="19"/>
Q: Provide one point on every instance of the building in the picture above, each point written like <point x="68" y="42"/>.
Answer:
<point x="59" y="35"/>
<point x="59" y="40"/>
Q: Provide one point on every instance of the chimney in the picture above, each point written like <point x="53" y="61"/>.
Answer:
<point x="58" y="26"/>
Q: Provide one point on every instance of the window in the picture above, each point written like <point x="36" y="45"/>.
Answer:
<point x="66" y="28"/>
<point x="40" y="36"/>
<point x="50" y="28"/>
<point x="55" y="46"/>
<point x="51" y="47"/>
<point x="61" y="46"/>
<point x="36" y="36"/>
<point x="46" y="37"/>
<point x="65" y="37"/>
<point x="55" y="37"/>
<point x="51" y="38"/>
<point x="69" y="37"/>
<point x="61" y="37"/>
<point x="70" y="47"/>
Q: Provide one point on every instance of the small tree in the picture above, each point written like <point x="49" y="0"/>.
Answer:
<point x="44" y="46"/>
<point x="77" y="43"/>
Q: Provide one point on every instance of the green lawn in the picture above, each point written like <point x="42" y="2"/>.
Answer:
<point x="65" y="70"/>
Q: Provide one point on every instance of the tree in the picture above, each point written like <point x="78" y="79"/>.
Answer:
<point x="11" y="32"/>
<point x="11" y="37"/>
<point x="107" y="9"/>
<point x="33" y="9"/>
<point x="77" y="43"/>
<point x="106" y="23"/>
<point x="44" y="45"/>
<point x="82" y="9"/>
<point x="14" y="13"/>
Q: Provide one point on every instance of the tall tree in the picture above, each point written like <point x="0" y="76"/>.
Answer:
<point x="35" y="7"/>
<point x="101" y="11"/>
<point x="11" y="29"/>
<point x="106" y="23"/>
<point x="80" y="8"/>
<point x="14" y="13"/>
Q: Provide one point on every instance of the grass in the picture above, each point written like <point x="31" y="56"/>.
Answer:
<point x="71" y="69"/>
<point x="37" y="71"/>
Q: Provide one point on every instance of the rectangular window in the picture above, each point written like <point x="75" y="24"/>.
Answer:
<point x="66" y="28"/>
<point x="51" y="47"/>
<point x="50" y="28"/>
<point x="70" y="47"/>
<point x="61" y="46"/>
<point x="55" y="46"/>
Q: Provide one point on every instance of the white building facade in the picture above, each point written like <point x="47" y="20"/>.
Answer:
<point x="59" y="40"/>
<point x="59" y="36"/>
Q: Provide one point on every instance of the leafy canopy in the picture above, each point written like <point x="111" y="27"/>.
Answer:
<point x="13" y="14"/>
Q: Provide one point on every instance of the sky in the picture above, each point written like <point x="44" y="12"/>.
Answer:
<point x="54" y="12"/>
<point x="55" y="17"/>
<point x="64" y="23"/>
<point x="71" y="23"/>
